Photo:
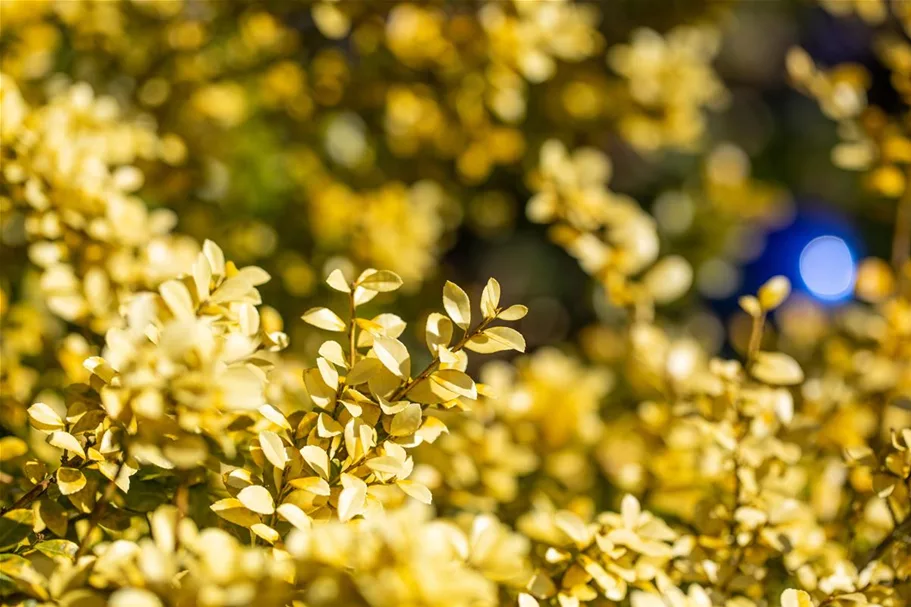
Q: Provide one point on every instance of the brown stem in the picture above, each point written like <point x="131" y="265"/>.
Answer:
<point x="352" y="352"/>
<point x="182" y="497"/>
<point x="34" y="493"/>
<point x="755" y="336"/>
<point x="38" y="490"/>
<point x="100" y="508"/>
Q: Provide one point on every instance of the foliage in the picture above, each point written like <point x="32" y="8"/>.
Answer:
<point x="167" y="440"/>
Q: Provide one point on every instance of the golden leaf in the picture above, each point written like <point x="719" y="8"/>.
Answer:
<point x="324" y="318"/>
<point x="457" y="304"/>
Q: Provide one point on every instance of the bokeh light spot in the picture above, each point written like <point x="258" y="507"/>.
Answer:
<point x="827" y="267"/>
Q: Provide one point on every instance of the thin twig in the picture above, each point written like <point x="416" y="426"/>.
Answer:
<point x="407" y="386"/>
<point x="352" y="351"/>
<point x="38" y="490"/>
<point x="756" y="336"/>
<point x="34" y="493"/>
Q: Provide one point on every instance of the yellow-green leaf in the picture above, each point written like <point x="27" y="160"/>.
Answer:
<point x="70" y="480"/>
<point x="57" y="548"/>
<point x="15" y="526"/>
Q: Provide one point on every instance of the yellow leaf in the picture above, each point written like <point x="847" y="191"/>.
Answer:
<point x="416" y="490"/>
<point x="322" y="395"/>
<point x="394" y="355"/>
<point x="352" y="500"/>
<point x="496" y="339"/>
<point x="777" y="369"/>
<point x="385" y="464"/>
<point x="382" y="281"/>
<point x="514" y="312"/>
<point x="45" y="418"/>
<point x="294" y="515"/>
<point x="327" y="372"/>
<point x="324" y="318"/>
<point x="457" y="304"/>
<point x="12" y="447"/>
<point x="773" y="293"/>
<point x="362" y="371"/>
<point x="438" y="332"/>
<point x="337" y="281"/>
<point x="795" y="598"/>
<point x="178" y="299"/>
<point x="266" y="532"/>
<point x="453" y="380"/>
<point x="257" y="498"/>
<point x="273" y="448"/>
<point x="215" y="257"/>
<point x="490" y="298"/>
<point x="67" y="442"/>
<point x="407" y="421"/>
<point x="333" y="352"/>
<point x="232" y="510"/>
<point x="431" y="429"/>
<point x="326" y="427"/>
<point x="526" y="600"/>
<point x="317" y="459"/>
<point x="275" y="416"/>
<point x="134" y="597"/>
<point x="750" y="305"/>
<point x="57" y="548"/>
<point x="70" y="480"/>
<point x="101" y="368"/>
<point x="202" y="277"/>
<point x="254" y="275"/>
<point x="313" y="484"/>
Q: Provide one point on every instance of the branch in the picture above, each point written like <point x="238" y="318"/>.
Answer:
<point x="405" y="388"/>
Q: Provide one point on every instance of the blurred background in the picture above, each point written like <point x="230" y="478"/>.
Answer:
<point x="305" y="136"/>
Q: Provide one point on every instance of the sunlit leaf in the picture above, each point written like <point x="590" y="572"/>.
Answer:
<point x="457" y="304"/>
<point x="324" y="318"/>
